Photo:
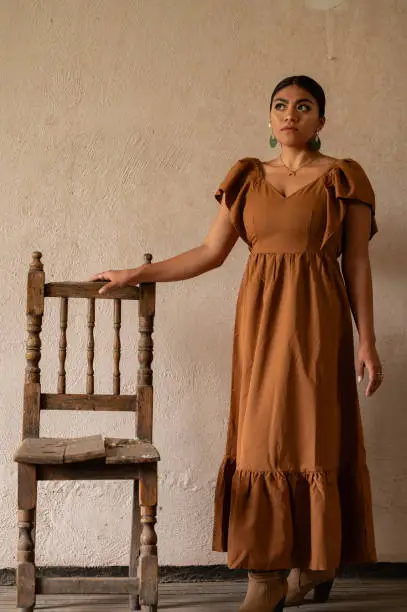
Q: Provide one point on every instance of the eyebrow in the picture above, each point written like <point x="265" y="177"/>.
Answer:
<point x="297" y="101"/>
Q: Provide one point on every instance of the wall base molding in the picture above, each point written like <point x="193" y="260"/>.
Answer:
<point x="207" y="573"/>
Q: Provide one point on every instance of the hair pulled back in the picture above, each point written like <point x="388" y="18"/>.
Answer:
<point x="307" y="83"/>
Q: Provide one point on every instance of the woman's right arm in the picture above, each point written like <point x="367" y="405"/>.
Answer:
<point x="211" y="254"/>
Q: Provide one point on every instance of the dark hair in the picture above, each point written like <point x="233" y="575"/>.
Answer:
<point x="306" y="83"/>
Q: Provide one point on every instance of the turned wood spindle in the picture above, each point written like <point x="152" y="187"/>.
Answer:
<point x="63" y="324"/>
<point x="33" y="353"/>
<point x="145" y="351"/>
<point x="117" y="346"/>
<point x="146" y="343"/>
<point x="148" y="537"/>
<point x="35" y="301"/>
<point x="25" y="546"/>
<point x="90" y="387"/>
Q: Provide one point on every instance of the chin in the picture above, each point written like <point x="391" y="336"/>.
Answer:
<point x="293" y="139"/>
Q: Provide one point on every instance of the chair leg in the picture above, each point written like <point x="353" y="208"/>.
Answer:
<point x="148" y="561"/>
<point x="134" y="600"/>
<point x="27" y="499"/>
<point x="25" y="561"/>
<point x="21" y="573"/>
<point x="148" y="565"/>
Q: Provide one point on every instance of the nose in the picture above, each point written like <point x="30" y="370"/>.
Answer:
<point x="291" y="115"/>
<point x="290" y="118"/>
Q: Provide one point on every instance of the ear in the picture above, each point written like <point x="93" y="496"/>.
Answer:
<point x="321" y="122"/>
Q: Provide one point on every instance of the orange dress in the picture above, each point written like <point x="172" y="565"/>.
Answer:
<point x="293" y="489"/>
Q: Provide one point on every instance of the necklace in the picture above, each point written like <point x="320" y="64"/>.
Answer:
<point x="291" y="171"/>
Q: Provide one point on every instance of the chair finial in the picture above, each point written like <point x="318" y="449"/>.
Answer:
<point x="36" y="263"/>
<point x="148" y="258"/>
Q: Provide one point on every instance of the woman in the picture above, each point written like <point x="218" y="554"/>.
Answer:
<point x="293" y="490"/>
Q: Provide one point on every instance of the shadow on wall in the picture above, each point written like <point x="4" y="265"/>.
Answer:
<point x="386" y="430"/>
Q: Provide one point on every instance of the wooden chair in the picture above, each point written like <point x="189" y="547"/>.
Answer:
<point x="89" y="458"/>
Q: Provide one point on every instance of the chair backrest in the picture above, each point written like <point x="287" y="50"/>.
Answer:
<point x="34" y="401"/>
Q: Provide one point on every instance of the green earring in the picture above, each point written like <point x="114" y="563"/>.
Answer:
<point x="315" y="143"/>
<point x="273" y="140"/>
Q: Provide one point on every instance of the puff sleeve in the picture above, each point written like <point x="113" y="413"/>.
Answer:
<point x="235" y="186"/>
<point x="352" y="186"/>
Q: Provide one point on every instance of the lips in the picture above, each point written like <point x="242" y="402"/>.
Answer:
<point x="289" y="129"/>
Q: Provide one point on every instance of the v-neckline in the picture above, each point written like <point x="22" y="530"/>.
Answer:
<point x="309" y="184"/>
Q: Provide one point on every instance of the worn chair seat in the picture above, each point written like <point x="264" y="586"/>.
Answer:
<point x="48" y="451"/>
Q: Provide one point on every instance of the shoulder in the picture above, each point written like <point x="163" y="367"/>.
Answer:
<point x="238" y="178"/>
<point x="248" y="163"/>
<point x="351" y="181"/>
<point x="243" y="169"/>
<point x="347" y="164"/>
<point x="351" y="169"/>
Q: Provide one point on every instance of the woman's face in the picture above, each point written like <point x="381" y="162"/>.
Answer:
<point x="295" y="116"/>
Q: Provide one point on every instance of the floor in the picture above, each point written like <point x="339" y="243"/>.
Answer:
<point x="347" y="596"/>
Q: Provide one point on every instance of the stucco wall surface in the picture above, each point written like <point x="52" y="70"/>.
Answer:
<point x="118" y="119"/>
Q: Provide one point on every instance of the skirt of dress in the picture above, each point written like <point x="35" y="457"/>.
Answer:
<point x="293" y="489"/>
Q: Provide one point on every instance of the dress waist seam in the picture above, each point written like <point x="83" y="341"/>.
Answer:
<point x="316" y="252"/>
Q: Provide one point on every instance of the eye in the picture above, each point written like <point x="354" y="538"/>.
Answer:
<point x="279" y="106"/>
<point x="304" y="107"/>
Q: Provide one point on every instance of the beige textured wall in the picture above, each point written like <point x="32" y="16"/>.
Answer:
<point x="118" y="119"/>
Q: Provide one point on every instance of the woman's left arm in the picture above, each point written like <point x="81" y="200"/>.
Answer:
<point x="358" y="280"/>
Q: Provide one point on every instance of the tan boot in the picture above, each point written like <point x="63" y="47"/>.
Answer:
<point x="300" y="583"/>
<point x="265" y="593"/>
